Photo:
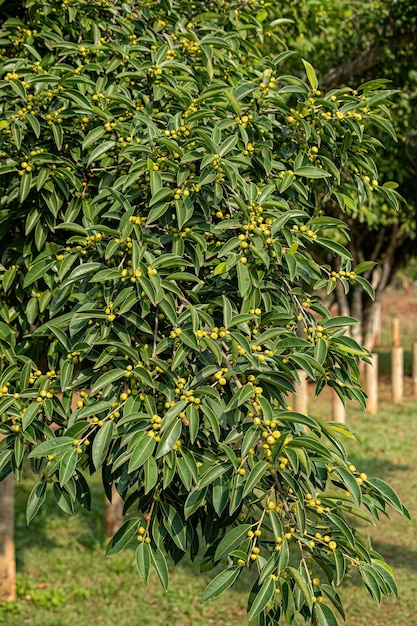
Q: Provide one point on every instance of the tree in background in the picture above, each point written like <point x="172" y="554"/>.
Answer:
<point x="352" y="44"/>
<point x="162" y="183"/>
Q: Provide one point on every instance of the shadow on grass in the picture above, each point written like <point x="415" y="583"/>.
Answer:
<point x="397" y="556"/>
<point x="52" y="531"/>
<point x="51" y="527"/>
<point x="384" y="361"/>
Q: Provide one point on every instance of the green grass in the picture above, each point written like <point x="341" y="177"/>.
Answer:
<point x="65" y="580"/>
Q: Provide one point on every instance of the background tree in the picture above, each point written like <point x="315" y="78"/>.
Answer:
<point x="161" y="185"/>
<point x="350" y="45"/>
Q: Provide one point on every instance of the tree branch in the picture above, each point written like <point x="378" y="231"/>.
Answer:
<point x="367" y="59"/>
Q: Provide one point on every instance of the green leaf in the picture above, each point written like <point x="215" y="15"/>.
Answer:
<point x="389" y="495"/>
<point x="366" y="286"/>
<point x="160" y="566"/>
<point x="244" y="279"/>
<point x="220" y="583"/>
<point x="58" y="134"/>
<point x="106" y="379"/>
<point x="141" y="452"/>
<point x="250" y="438"/>
<point x="169" y="438"/>
<point x="37" y="271"/>
<point x="232" y="540"/>
<point x="123" y="536"/>
<point x="157" y="211"/>
<point x="160" y="195"/>
<point x="95" y="408"/>
<point x="387" y="574"/>
<point x="35" y="500"/>
<point x="219" y="269"/>
<point x="29" y="415"/>
<point x="220" y="493"/>
<point x="213" y="419"/>
<point x="276" y="524"/>
<point x="233" y="101"/>
<point x="341" y="320"/>
<point x="339" y="522"/>
<point x="100" y="151"/>
<point x="180" y="356"/>
<point x="93" y="136"/>
<point x="194" y="501"/>
<point x="193" y="422"/>
<point x="302" y="584"/>
<point x="82" y="271"/>
<point x="364" y="267"/>
<point x="372" y="581"/>
<point x="217" y="469"/>
<point x="308" y="171"/>
<point x="150" y="469"/>
<point x="339" y="561"/>
<point x="320" y="351"/>
<point x="325" y="615"/>
<point x="67" y="369"/>
<point x="54" y="446"/>
<point x="101" y="443"/>
<point x="351" y="484"/>
<point x="79" y="99"/>
<point x="67" y="465"/>
<point x="175" y="526"/>
<point x="187" y="468"/>
<point x="256" y="473"/>
<point x="265" y="596"/>
<point x="335" y="247"/>
<point x="63" y="499"/>
<point x="241" y="397"/>
<point x="143" y="560"/>
<point x="311" y="74"/>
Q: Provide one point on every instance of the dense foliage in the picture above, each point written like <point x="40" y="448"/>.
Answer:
<point x="162" y="185"/>
<point x="348" y="44"/>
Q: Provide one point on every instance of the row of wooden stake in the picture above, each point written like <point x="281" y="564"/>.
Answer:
<point x="371" y="381"/>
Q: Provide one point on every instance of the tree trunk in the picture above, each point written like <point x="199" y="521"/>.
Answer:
<point x="113" y="514"/>
<point x="371" y="324"/>
<point x="7" y="552"/>
<point x="358" y="313"/>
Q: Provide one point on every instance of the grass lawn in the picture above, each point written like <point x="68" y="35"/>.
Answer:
<point x="65" y="580"/>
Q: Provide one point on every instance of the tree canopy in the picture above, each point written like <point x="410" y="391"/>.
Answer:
<point x="162" y="187"/>
<point x="359" y="42"/>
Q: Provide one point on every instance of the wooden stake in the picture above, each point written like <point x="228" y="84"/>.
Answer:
<point x="377" y="324"/>
<point x="7" y="552"/>
<point x="395" y="327"/>
<point x="338" y="408"/>
<point x="371" y="384"/>
<point x="397" y="374"/>
<point x="301" y="393"/>
<point x="414" y="373"/>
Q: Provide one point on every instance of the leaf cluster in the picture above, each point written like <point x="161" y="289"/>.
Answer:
<point x="163" y="184"/>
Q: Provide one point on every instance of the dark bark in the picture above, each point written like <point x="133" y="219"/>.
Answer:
<point x="371" y="324"/>
<point x="357" y="311"/>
